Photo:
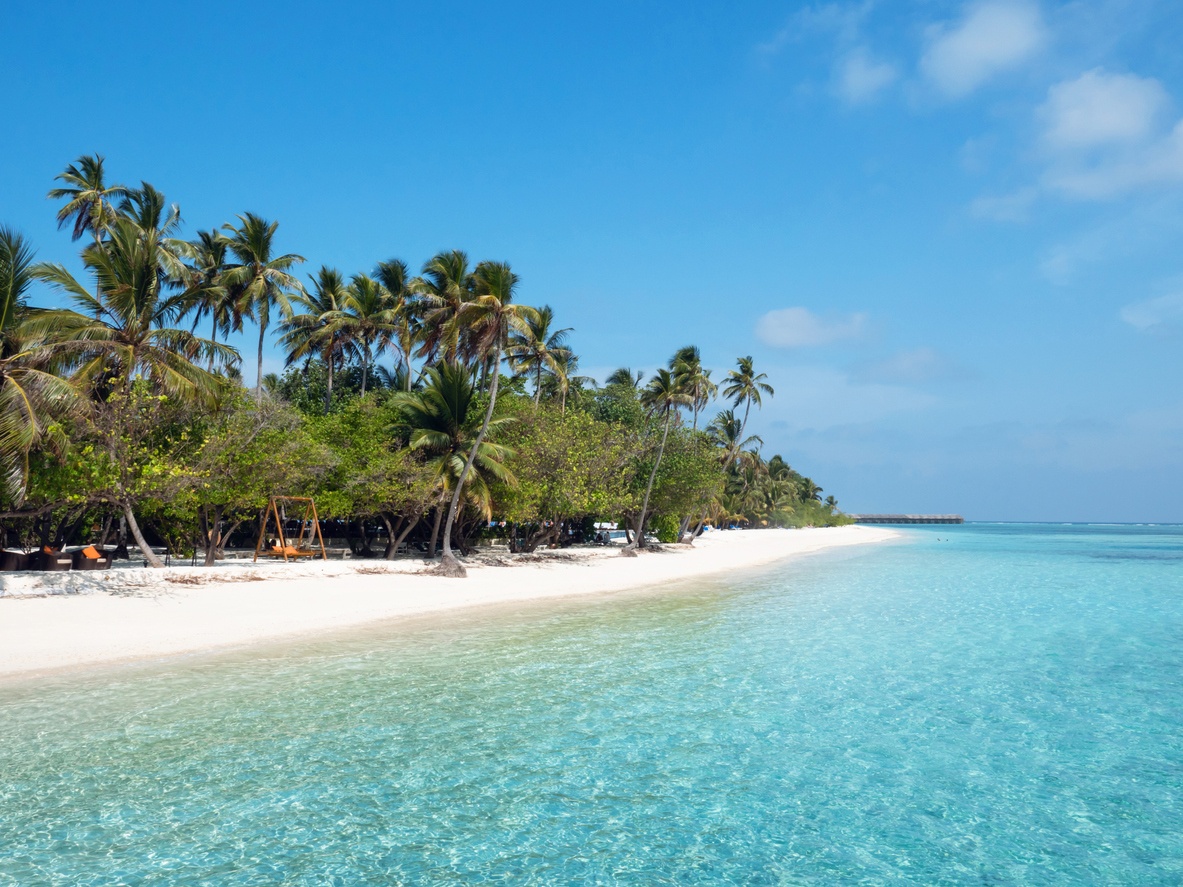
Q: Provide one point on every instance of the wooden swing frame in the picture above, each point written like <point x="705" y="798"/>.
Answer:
<point x="310" y="516"/>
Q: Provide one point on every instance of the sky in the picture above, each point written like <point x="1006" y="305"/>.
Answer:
<point x="948" y="232"/>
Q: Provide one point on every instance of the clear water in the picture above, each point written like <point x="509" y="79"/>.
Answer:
<point x="980" y="705"/>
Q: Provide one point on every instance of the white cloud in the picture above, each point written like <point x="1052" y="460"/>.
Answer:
<point x="1098" y="108"/>
<point x="992" y="38"/>
<point x="859" y="78"/>
<point x="800" y="328"/>
<point x="1158" y="162"/>
<point x="1102" y="136"/>
<point x="1155" y="315"/>
<point x="1006" y="208"/>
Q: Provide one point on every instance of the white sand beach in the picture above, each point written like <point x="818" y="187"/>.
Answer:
<point x="57" y="621"/>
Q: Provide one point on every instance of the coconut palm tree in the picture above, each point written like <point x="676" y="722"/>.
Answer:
<point x="148" y="208"/>
<point x="438" y="421"/>
<point x="207" y="260"/>
<point x="315" y="331"/>
<point x="488" y="320"/>
<point x="90" y="201"/>
<point x="124" y="331"/>
<point x="686" y="365"/>
<point x="30" y="397"/>
<point x="625" y="378"/>
<point x="744" y="385"/>
<point x="726" y="432"/>
<point x="260" y="279"/>
<point x="661" y="397"/>
<point x="443" y="289"/>
<point x="539" y="348"/>
<point x="392" y="275"/>
<point x="368" y="320"/>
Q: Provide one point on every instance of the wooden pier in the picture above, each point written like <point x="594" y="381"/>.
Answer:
<point x="908" y="518"/>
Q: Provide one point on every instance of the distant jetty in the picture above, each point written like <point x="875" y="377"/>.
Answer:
<point x="907" y="518"/>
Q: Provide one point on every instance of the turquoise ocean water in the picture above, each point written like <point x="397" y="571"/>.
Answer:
<point x="987" y="704"/>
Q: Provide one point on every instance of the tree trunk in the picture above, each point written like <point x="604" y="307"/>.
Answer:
<point x="435" y="530"/>
<point x="145" y="549"/>
<point x="449" y="566"/>
<point x="630" y="550"/>
<point x="213" y="535"/>
<point x="393" y="543"/>
<point x="329" y="388"/>
<point x="365" y="369"/>
<point x="259" y="369"/>
<point x="538" y="383"/>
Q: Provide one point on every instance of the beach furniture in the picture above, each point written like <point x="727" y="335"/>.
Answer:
<point x="287" y="551"/>
<point x="309" y="525"/>
<point x="90" y="558"/>
<point x="11" y="561"/>
<point x="51" y="561"/>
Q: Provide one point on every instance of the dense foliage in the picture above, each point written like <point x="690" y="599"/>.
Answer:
<point x="119" y="418"/>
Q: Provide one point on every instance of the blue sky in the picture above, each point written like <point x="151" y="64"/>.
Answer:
<point x="949" y="232"/>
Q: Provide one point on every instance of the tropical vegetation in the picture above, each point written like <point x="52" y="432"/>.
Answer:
<point x="425" y="413"/>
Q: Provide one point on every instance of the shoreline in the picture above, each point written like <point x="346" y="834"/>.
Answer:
<point x="80" y="621"/>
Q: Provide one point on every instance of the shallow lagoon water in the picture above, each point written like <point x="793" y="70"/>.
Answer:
<point x="987" y="704"/>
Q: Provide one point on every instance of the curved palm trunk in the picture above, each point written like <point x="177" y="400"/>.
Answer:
<point x="639" y="542"/>
<point x="449" y="566"/>
<point x="537" y="383"/>
<point x="134" y="526"/>
<point x="365" y="369"/>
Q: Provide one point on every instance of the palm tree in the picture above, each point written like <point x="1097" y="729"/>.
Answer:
<point x="392" y="275"/>
<point x="207" y="258"/>
<point x="149" y="209"/>
<point x="563" y="378"/>
<point x="726" y="432"/>
<point x="315" y="331"/>
<point x="30" y="398"/>
<point x="625" y="378"/>
<point x="488" y="320"/>
<point x="662" y="396"/>
<point x="686" y="365"/>
<point x="261" y="279"/>
<point x="369" y="319"/>
<point x="90" y="201"/>
<point x="538" y="348"/>
<point x="438" y="421"/>
<point x="443" y="289"/>
<point x="124" y="331"/>
<point x="744" y="386"/>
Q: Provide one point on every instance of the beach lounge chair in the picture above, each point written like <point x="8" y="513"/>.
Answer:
<point x="90" y="558"/>
<point x="11" y="561"/>
<point x="52" y="561"/>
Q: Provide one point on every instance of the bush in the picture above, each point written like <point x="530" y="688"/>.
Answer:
<point x="665" y="527"/>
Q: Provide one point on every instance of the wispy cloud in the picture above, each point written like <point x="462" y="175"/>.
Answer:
<point x="1014" y="207"/>
<point x="823" y="397"/>
<point x="1101" y="109"/>
<point x="991" y="39"/>
<point x="801" y="328"/>
<point x="842" y="20"/>
<point x="859" y="78"/>
<point x="909" y="367"/>
<point x="1155" y="315"/>
<point x="1099" y="136"/>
